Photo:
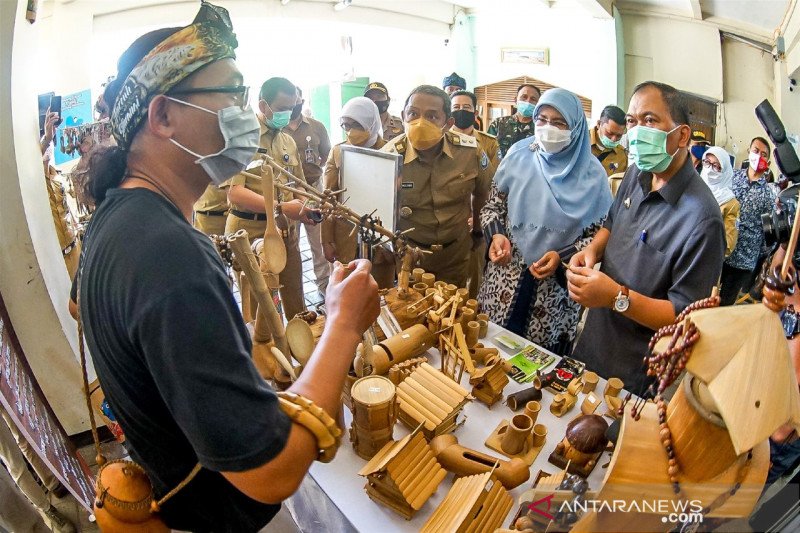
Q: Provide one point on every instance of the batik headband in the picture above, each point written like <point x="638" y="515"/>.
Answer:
<point x="209" y="38"/>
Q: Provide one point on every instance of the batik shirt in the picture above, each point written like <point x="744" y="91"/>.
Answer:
<point x="509" y="130"/>
<point x="755" y="198"/>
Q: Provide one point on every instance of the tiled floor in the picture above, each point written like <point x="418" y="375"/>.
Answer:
<point x="312" y="295"/>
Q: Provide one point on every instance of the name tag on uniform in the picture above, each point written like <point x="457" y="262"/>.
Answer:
<point x="407" y="185"/>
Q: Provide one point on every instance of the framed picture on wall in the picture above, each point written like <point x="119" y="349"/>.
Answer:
<point x="531" y="56"/>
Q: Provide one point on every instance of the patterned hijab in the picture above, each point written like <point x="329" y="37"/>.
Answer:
<point x="209" y="38"/>
<point x="553" y="197"/>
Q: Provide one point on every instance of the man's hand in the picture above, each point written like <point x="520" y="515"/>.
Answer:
<point x="295" y="210"/>
<point x="49" y="129"/>
<point x="585" y="258"/>
<point x="500" y="250"/>
<point x="352" y="301"/>
<point x="546" y="266"/>
<point x="329" y="251"/>
<point x="590" y="287"/>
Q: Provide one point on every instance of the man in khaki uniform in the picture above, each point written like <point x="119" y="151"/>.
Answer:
<point x="211" y="211"/>
<point x="605" y="138"/>
<point x="392" y="125"/>
<point x="314" y="146"/>
<point x="445" y="180"/>
<point x="464" y="105"/>
<point x="277" y="98"/>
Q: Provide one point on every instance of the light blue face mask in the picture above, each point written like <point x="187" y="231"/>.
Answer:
<point x="279" y="120"/>
<point x="648" y="146"/>
<point x="525" y="108"/>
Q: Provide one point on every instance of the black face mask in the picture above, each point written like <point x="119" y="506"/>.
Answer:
<point x="464" y="119"/>
<point x="296" y="110"/>
<point x="383" y="106"/>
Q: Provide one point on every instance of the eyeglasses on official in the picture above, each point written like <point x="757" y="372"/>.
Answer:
<point x="560" y="124"/>
<point x="242" y="92"/>
<point x="715" y="166"/>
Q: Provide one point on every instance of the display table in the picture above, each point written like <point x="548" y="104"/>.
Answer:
<point x="340" y="481"/>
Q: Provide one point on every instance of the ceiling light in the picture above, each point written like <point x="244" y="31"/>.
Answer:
<point x="342" y="4"/>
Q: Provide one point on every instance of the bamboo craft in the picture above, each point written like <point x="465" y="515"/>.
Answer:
<point x="474" y="504"/>
<point x="464" y="461"/>
<point x="403" y="475"/>
<point x="240" y="245"/>
<point x="374" y="414"/>
<point x="488" y="383"/>
<point x="563" y="402"/>
<point x="401" y="371"/>
<point x="430" y="398"/>
<point x="273" y="253"/>
<point x="407" y="344"/>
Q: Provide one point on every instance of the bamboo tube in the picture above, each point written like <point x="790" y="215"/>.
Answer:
<point x="428" y="279"/>
<point x="452" y="385"/>
<point x="414" y="452"/>
<point x="436" y="404"/>
<point x="436" y="386"/>
<point x="416" y="415"/>
<point x="517" y="432"/>
<point x="427" y="415"/>
<point x="472" y="304"/>
<point x="240" y="245"/>
<point x="427" y="487"/>
<point x="416" y="275"/>
<point x="471" y="334"/>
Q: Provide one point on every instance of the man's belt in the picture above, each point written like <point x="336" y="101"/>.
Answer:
<point x="213" y="213"/>
<point x="432" y="247"/>
<point x="69" y="248"/>
<point x="249" y="216"/>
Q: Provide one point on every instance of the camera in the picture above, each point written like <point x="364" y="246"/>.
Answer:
<point x="777" y="224"/>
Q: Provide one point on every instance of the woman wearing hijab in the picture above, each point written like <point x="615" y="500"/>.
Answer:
<point x="550" y="196"/>
<point x="718" y="174"/>
<point x="361" y="123"/>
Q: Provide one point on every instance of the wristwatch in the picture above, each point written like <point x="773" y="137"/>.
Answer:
<point x="622" y="301"/>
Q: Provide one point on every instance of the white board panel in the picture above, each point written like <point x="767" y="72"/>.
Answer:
<point x="372" y="179"/>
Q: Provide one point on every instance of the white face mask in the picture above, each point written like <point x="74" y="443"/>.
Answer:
<point x="711" y="176"/>
<point x="551" y="139"/>
<point x="241" y="131"/>
<point x="754" y="159"/>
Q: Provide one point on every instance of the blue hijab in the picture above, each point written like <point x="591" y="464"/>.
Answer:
<point x="552" y="197"/>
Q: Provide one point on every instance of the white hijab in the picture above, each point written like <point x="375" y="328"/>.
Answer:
<point x="720" y="184"/>
<point x="365" y="112"/>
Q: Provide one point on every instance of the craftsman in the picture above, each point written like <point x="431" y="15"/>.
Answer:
<point x="166" y="337"/>
<point x="445" y="181"/>
<point x="277" y="98"/>
<point x="661" y="246"/>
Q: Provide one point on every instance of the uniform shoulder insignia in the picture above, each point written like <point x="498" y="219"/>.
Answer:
<point x="396" y="145"/>
<point x="462" y="140"/>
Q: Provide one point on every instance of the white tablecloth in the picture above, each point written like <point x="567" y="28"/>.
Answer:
<point x="341" y="482"/>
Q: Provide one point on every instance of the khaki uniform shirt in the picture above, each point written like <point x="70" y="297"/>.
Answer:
<point x="392" y="127"/>
<point x="213" y="199"/>
<point x="614" y="160"/>
<point x="282" y="148"/>
<point x="730" y="217"/>
<point x="435" y="197"/>
<point x="313" y="145"/>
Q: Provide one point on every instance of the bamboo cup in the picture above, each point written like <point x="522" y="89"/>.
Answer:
<point x="532" y="410"/>
<point x="539" y="434"/>
<point x="517" y="431"/>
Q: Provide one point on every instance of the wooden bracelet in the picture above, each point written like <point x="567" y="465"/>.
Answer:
<point x="306" y="413"/>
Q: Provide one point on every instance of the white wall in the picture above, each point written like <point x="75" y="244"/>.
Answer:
<point x="747" y="80"/>
<point x="583" y="53"/>
<point x="683" y="54"/>
<point x="33" y="278"/>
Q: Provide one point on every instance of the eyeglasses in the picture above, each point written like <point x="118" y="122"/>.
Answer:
<point x="708" y="164"/>
<point x="560" y="124"/>
<point x="242" y="92"/>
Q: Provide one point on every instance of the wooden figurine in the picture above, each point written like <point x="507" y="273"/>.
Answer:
<point x="407" y="344"/>
<point x="374" y="414"/>
<point x="488" y="383"/>
<point x="582" y="445"/>
<point x="590" y="404"/>
<point x="403" y="474"/>
<point x="474" y="503"/>
<point x="430" y="398"/>
<point x="466" y="462"/>
<point x="563" y="402"/>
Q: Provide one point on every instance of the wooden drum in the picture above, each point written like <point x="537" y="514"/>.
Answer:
<point x="374" y="414"/>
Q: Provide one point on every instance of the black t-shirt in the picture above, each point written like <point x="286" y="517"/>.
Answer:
<point x="173" y="357"/>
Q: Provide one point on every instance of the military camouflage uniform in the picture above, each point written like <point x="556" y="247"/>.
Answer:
<point x="509" y="130"/>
